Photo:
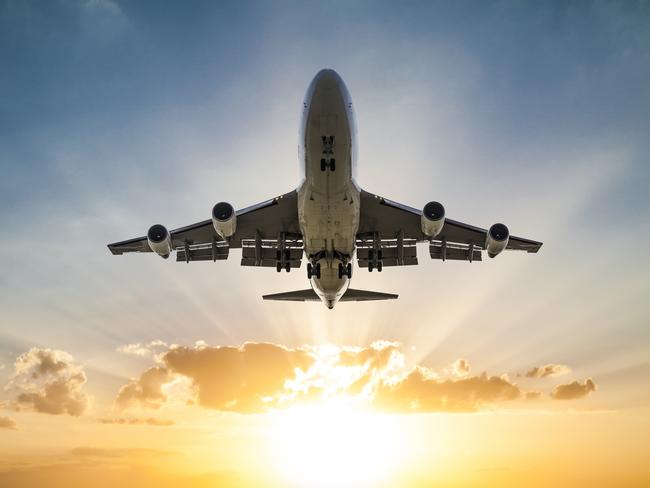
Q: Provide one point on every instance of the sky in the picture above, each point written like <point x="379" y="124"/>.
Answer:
<point x="523" y="370"/>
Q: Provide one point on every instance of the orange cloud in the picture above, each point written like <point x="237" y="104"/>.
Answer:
<point x="547" y="370"/>
<point x="146" y="390"/>
<point x="258" y="377"/>
<point x="7" y="423"/>
<point x="574" y="390"/>
<point x="137" y="421"/>
<point x="240" y="379"/>
<point x="49" y="381"/>
<point x="421" y="392"/>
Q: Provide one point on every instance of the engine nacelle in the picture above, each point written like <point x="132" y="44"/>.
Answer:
<point x="497" y="239"/>
<point x="224" y="219"/>
<point x="159" y="240"/>
<point x="433" y="219"/>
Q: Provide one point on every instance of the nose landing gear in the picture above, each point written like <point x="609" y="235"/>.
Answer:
<point x="328" y="160"/>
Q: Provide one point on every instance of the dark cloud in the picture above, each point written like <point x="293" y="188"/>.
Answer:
<point x="49" y="381"/>
<point x="547" y="370"/>
<point x="145" y="390"/>
<point x="533" y="395"/>
<point x="7" y="423"/>
<point x="573" y="390"/>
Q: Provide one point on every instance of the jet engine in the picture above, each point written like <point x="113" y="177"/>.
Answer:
<point x="497" y="239"/>
<point x="433" y="219"/>
<point x="159" y="240"/>
<point x="224" y="219"/>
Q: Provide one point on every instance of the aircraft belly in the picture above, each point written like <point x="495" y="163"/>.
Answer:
<point x="329" y="222"/>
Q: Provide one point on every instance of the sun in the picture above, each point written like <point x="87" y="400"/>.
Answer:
<point x="336" y="444"/>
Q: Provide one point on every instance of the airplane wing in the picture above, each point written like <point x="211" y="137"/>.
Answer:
<point x="396" y="228"/>
<point x="260" y="231"/>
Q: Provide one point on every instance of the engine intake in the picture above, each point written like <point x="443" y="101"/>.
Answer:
<point x="433" y="219"/>
<point x="497" y="239"/>
<point x="224" y="219"/>
<point x="159" y="240"/>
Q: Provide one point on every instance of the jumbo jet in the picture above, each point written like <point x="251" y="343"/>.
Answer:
<point x="329" y="219"/>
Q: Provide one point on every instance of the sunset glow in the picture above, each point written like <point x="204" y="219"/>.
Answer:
<point x="529" y="370"/>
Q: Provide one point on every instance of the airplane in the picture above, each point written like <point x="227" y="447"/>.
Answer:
<point x="328" y="218"/>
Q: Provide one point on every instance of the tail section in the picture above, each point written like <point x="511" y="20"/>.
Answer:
<point x="351" y="295"/>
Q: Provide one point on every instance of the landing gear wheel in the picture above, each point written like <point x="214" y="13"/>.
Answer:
<point x="323" y="165"/>
<point x="309" y="271"/>
<point x="318" y="271"/>
<point x="287" y="267"/>
<point x="278" y="267"/>
<point x="349" y="270"/>
<point x="370" y="267"/>
<point x="332" y="164"/>
<point x="379" y="266"/>
<point x="340" y="270"/>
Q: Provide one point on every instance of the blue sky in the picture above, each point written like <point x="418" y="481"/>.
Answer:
<point x="116" y="115"/>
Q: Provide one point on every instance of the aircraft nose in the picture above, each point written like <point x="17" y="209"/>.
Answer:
<point x="326" y="80"/>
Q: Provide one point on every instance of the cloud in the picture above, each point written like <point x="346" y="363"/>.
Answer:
<point x="145" y="390"/>
<point x="49" y="381"/>
<point x="548" y="370"/>
<point x="241" y="379"/>
<point x="137" y="421"/>
<point x="533" y="395"/>
<point x="142" y="350"/>
<point x="99" y="452"/>
<point x="459" y="368"/>
<point x="420" y="392"/>
<point x="259" y="377"/>
<point x="7" y="423"/>
<point x="574" y="390"/>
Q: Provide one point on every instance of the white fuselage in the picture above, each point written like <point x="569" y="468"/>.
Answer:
<point x="328" y="199"/>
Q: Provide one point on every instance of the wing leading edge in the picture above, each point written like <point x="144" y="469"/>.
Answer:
<point x="265" y="220"/>
<point x="391" y="219"/>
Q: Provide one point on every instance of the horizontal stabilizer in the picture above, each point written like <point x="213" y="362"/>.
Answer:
<point x="308" y="295"/>
<point x="351" y="295"/>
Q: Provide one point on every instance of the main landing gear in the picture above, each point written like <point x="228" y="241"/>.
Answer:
<point x="283" y="263"/>
<point x="313" y="270"/>
<point x="345" y="270"/>
<point x="374" y="260"/>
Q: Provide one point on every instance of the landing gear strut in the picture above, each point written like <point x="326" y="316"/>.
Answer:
<point x="313" y="270"/>
<point x="375" y="260"/>
<point x="328" y="161"/>
<point x="345" y="270"/>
